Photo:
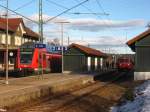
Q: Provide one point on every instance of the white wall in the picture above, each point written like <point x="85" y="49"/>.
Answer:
<point x="101" y="63"/>
<point x="96" y="63"/>
<point x="141" y="75"/>
<point x="89" y="63"/>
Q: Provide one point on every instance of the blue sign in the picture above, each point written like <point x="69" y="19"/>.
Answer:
<point x="55" y="49"/>
<point x="40" y="45"/>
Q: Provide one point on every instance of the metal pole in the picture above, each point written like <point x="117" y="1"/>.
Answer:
<point x="40" y="21"/>
<point x="68" y="40"/>
<point x="41" y="36"/>
<point x="7" y="45"/>
<point x="62" y="49"/>
<point x="126" y="41"/>
<point x="42" y="62"/>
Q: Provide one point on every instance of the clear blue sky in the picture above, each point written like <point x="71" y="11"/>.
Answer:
<point x="127" y="11"/>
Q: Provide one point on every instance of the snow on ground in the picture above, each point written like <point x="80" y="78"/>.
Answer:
<point x="141" y="103"/>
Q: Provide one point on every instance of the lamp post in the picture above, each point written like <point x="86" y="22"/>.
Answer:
<point x="62" y="49"/>
<point x="6" y="82"/>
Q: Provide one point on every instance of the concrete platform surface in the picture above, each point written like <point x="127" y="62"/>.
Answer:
<point x="20" y="90"/>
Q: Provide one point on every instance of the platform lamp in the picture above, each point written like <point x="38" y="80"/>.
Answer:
<point x="62" y="50"/>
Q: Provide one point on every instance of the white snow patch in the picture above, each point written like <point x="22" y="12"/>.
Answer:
<point x="3" y="110"/>
<point x="141" y="103"/>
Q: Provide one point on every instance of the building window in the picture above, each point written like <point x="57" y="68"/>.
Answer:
<point x="3" y="39"/>
<point x="9" y="39"/>
<point x="17" y="40"/>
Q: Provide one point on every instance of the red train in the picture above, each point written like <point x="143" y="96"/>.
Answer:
<point x="35" y="57"/>
<point x="125" y="63"/>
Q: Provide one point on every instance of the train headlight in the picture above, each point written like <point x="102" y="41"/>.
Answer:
<point x="35" y="69"/>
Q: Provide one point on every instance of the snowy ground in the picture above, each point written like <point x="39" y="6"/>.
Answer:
<point x="141" y="102"/>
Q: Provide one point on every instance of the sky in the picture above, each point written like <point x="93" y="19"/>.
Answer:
<point x="108" y="33"/>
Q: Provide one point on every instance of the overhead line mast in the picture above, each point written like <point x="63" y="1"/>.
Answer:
<point x="40" y="22"/>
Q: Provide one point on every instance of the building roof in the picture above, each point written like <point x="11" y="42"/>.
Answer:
<point x="131" y="43"/>
<point x="31" y="33"/>
<point x="88" y="51"/>
<point x="13" y="24"/>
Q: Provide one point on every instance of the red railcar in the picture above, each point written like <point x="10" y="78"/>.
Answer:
<point x="34" y="57"/>
<point x="125" y="63"/>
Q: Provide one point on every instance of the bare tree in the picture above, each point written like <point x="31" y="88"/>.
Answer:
<point x="54" y="41"/>
<point x="148" y="25"/>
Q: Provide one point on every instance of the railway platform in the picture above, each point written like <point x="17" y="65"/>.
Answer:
<point x="20" y="90"/>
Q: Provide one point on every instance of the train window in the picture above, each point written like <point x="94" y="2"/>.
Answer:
<point x="124" y="60"/>
<point x="26" y="57"/>
<point x="44" y="57"/>
<point x="39" y="56"/>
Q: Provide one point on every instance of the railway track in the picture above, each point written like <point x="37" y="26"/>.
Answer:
<point x="86" y="98"/>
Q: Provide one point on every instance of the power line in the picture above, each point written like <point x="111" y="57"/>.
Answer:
<point x="19" y="14"/>
<point x="78" y="13"/>
<point x="66" y="10"/>
<point x="91" y="11"/>
<point x="100" y="6"/>
<point x="59" y="5"/>
<point x="24" y="5"/>
<point x="99" y="16"/>
<point x="86" y="7"/>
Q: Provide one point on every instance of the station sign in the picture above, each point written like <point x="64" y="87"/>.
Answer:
<point x="55" y="49"/>
<point x="39" y="45"/>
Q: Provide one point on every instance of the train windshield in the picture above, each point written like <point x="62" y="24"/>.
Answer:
<point x="124" y="60"/>
<point x="26" y="57"/>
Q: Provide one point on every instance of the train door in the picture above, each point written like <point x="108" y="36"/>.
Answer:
<point x="56" y="64"/>
<point x="47" y="63"/>
<point x="44" y="60"/>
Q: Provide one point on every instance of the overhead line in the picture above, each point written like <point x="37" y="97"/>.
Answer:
<point x="98" y="15"/>
<point x="85" y="7"/>
<point x="24" y="5"/>
<point x="19" y="14"/>
<point x="52" y="2"/>
<point x="66" y="11"/>
<point x="77" y="13"/>
<point x="100" y="6"/>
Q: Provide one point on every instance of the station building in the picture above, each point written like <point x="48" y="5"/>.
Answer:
<point x="18" y="34"/>
<point x="141" y="46"/>
<point x="80" y="58"/>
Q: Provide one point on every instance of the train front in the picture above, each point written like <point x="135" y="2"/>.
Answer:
<point x="28" y="57"/>
<point x="125" y="64"/>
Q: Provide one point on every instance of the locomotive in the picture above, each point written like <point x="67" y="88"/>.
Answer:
<point x="36" y="57"/>
<point x="125" y="63"/>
